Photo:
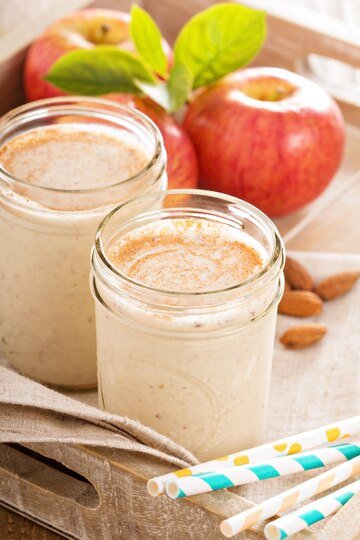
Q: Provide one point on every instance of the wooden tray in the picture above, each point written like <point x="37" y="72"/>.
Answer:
<point x="92" y="493"/>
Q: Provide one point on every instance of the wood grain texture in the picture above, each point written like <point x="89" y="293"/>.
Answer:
<point x="15" y="527"/>
<point x="123" y="509"/>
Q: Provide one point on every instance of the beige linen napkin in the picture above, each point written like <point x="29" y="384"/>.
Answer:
<point x="31" y="412"/>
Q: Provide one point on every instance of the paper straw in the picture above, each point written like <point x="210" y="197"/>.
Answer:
<point x="311" y="513"/>
<point x="237" y="476"/>
<point x="282" y="447"/>
<point x="269" y="508"/>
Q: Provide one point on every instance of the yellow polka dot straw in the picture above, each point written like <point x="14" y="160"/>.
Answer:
<point x="261" y="470"/>
<point x="269" y="508"/>
<point x="294" y="444"/>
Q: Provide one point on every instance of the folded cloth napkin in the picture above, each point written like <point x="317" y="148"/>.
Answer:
<point x="31" y="412"/>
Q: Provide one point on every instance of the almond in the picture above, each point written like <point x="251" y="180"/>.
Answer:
<point x="287" y="287"/>
<point x="300" y="304"/>
<point x="303" y="335"/>
<point x="297" y="276"/>
<point x="336" y="285"/>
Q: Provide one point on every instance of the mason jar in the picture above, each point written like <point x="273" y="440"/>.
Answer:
<point x="47" y="327"/>
<point x="195" y="366"/>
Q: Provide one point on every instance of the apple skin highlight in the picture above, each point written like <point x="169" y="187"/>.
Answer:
<point x="268" y="136"/>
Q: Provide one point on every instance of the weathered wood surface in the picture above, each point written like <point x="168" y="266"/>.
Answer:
<point x="16" y="527"/>
<point x="112" y="503"/>
<point x="115" y="486"/>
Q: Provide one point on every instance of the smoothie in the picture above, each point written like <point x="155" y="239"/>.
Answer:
<point x="185" y="328"/>
<point x="187" y="255"/>
<point x="72" y="156"/>
<point x="57" y="182"/>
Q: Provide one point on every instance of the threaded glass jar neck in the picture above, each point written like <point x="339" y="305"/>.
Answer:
<point x="206" y="205"/>
<point x="85" y="112"/>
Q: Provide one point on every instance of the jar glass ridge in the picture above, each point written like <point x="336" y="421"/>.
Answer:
<point x="82" y="111"/>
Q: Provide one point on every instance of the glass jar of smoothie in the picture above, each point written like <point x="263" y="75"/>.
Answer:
<point x="64" y="164"/>
<point x="187" y="285"/>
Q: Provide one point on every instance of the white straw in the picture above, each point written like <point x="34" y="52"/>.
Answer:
<point x="269" y="508"/>
<point x="272" y="468"/>
<point x="312" y="513"/>
<point x="290" y="445"/>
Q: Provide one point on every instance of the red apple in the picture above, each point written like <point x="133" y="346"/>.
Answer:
<point x="268" y="136"/>
<point x="87" y="29"/>
<point x="182" y="168"/>
<point x="80" y="30"/>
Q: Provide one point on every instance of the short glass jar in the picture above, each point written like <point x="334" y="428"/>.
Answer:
<point x="47" y="327"/>
<point x="193" y="366"/>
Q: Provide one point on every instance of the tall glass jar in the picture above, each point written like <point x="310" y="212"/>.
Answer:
<point x="47" y="327"/>
<point x="194" y="366"/>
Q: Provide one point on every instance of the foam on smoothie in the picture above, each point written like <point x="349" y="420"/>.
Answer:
<point x="73" y="156"/>
<point x="187" y="255"/>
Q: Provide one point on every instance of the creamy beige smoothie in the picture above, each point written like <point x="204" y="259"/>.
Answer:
<point x="185" y="315"/>
<point x="57" y="181"/>
<point x="187" y="255"/>
<point x="72" y="156"/>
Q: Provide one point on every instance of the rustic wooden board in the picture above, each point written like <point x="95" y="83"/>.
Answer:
<point x="103" y="490"/>
<point x="105" y="505"/>
<point x="13" y="526"/>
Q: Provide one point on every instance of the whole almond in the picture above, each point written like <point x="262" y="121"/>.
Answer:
<point x="300" y="304"/>
<point x="287" y="287"/>
<point x="297" y="276"/>
<point x="336" y="285"/>
<point x="304" y="335"/>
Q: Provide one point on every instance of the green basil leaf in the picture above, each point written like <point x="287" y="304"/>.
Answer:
<point x="220" y="40"/>
<point x="147" y="38"/>
<point x="179" y="85"/>
<point x="157" y="92"/>
<point x="98" y="71"/>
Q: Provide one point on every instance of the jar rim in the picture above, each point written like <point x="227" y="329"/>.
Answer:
<point x="275" y="259"/>
<point x="84" y="104"/>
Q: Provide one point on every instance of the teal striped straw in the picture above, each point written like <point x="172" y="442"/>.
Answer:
<point x="281" y="466"/>
<point x="303" y="518"/>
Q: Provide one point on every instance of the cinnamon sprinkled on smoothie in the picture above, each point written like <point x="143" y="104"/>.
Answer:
<point x="67" y="156"/>
<point x="186" y="255"/>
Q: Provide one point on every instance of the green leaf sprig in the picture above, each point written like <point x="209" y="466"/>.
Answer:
<point x="212" y="44"/>
<point x="99" y="71"/>
<point x="219" y="40"/>
<point x="147" y="38"/>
